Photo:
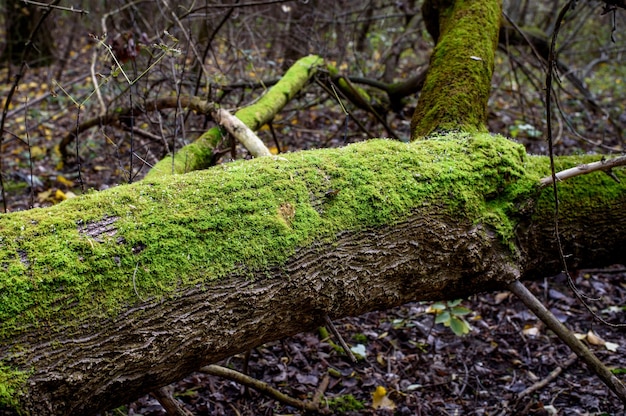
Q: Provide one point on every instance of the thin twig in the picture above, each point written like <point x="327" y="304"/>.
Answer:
<point x="337" y="335"/>
<point x="602" y="165"/>
<point x="552" y="376"/>
<point x="261" y="386"/>
<point x="552" y="64"/>
<point x="54" y="6"/>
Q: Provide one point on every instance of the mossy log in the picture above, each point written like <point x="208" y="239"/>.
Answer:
<point x="113" y="294"/>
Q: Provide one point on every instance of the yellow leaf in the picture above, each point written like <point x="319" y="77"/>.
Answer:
<point x="37" y="152"/>
<point x="43" y="196"/>
<point x="380" y="399"/>
<point x="60" y="195"/>
<point x="63" y="180"/>
<point x="380" y="359"/>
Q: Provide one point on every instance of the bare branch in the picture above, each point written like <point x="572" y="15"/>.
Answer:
<point x="241" y="132"/>
<point x="602" y="165"/>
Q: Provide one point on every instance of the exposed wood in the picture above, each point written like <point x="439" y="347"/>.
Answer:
<point x="241" y="132"/>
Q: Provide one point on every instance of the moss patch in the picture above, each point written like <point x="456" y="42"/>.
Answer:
<point x="345" y="403"/>
<point x="596" y="190"/>
<point x="12" y="383"/>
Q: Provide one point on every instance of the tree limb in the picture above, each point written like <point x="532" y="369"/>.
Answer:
<point x="602" y="165"/>
<point x="263" y="387"/>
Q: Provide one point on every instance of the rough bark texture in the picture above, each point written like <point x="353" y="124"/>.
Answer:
<point x="154" y="343"/>
<point x="144" y="283"/>
<point x="109" y="296"/>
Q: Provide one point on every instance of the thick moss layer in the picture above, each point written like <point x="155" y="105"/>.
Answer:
<point x="190" y="229"/>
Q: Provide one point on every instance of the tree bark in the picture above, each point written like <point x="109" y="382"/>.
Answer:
<point x="114" y="294"/>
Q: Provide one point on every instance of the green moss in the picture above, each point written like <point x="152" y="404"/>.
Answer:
<point x="345" y="403"/>
<point x="458" y="84"/>
<point x="12" y="384"/>
<point x="187" y="230"/>
<point x="596" y="189"/>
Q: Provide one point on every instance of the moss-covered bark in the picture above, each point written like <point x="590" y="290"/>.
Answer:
<point x="96" y="291"/>
<point x="458" y="83"/>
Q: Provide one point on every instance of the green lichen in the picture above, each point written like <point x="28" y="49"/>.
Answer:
<point x="188" y="230"/>
<point x="458" y="84"/>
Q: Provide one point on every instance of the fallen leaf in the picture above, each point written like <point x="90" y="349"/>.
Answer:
<point x="60" y="195"/>
<point x="593" y="339"/>
<point x="380" y="399"/>
<point x="63" y="180"/>
<point x="501" y="297"/>
<point x="359" y="350"/>
<point x="531" y="331"/>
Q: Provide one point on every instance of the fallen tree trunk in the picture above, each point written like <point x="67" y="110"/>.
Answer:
<point x="114" y="294"/>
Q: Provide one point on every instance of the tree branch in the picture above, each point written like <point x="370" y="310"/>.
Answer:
<point x="262" y="387"/>
<point x="602" y="165"/>
<point x="565" y="335"/>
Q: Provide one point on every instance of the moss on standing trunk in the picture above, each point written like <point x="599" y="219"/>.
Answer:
<point x="458" y="84"/>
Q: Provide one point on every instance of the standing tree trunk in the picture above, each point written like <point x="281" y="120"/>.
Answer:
<point x="458" y="84"/>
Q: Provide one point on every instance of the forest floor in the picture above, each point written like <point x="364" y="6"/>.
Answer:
<point x="424" y="367"/>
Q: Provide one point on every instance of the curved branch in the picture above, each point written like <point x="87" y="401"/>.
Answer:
<point x="263" y="387"/>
